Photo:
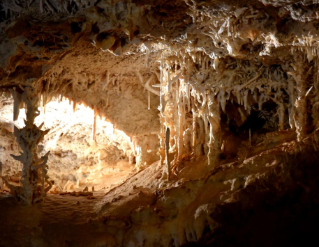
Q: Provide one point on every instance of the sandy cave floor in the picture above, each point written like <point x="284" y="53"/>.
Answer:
<point x="71" y="219"/>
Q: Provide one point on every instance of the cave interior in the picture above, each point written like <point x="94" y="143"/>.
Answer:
<point x="159" y="123"/>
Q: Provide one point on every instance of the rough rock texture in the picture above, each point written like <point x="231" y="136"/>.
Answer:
<point x="195" y="121"/>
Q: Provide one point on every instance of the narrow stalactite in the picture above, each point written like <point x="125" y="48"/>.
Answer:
<point x="167" y="161"/>
<point x="94" y="123"/>
<point x="300" y="74"/>
<point x="181" y="116"/>
<point x="17" y="103"/>
<point x="74" y="106"/>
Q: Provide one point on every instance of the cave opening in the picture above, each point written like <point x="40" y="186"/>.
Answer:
<point x="76" y="160"/>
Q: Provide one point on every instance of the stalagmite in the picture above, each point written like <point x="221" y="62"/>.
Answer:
<point x="34" y="168"/>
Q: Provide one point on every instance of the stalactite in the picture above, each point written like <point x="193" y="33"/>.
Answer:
<point x="315" y="100"/>
<point x="161" y="151"/>
<point x="281" y="115"/>
<point x="41" y="6"/>
<point x="118" y="85"/>
<point x="201" y="137"/>
<point x="246" y="92"/>
<point x="42" y="108"/>
<point x="197" y="95"/>
<point x="147" y="58"/>
<point x="215" y="132"/>
<point x="181" y="117"/>
<point x="16" y="103"/>
<point x="205" y="120"/>
<point x="161" y="88"/>
<point x="42" y="104"/>
<point x="94" y="123"/>
<point x="300" y="116"/>
<point x="222" y="99"/>
<point x="167" y="137"/>
<point x="107" y="80"/>
<point x="133" y="145"/>
<point x="74" y="106"/>
<point x="188" y="96"/>
<point x="194" y="128"/>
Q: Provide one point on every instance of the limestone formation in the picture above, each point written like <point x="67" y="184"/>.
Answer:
<point x="34" y="179"/>
<point x="192" y="121"/>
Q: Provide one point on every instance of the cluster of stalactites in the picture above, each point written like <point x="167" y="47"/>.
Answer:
<point x="35" y="183"/>
<point x="189" y="114"/>
<point x="13" y="9"/>
<point x="56" y="88"/>
<point x="195" y="90"/>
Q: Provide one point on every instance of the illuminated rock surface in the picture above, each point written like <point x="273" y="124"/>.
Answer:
<point x="169" y="123"/>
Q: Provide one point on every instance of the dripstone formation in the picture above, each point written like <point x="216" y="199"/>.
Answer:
<point x="165" y="123"/>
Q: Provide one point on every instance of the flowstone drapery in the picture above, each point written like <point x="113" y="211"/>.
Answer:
<point x="34" y="172"/>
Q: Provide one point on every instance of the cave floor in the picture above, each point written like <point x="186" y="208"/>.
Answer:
<point x="57" y="216"/>
<point x="143" y="199"/>
<point x="73" y="220"/>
